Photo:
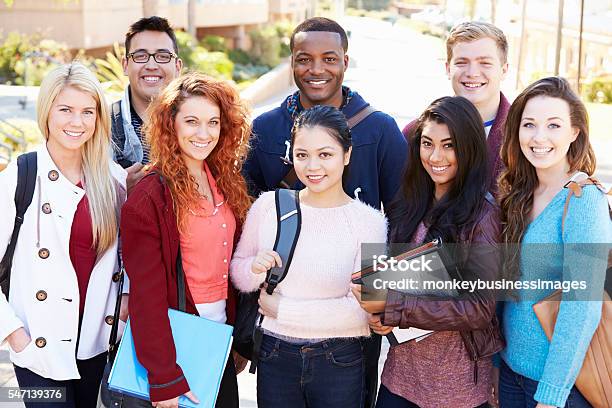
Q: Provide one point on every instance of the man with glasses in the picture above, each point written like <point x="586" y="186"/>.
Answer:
<point x="151" y="62"/>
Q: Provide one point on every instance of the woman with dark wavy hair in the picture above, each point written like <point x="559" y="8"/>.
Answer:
<point x="194" y="200"/>
<point x="546" y="144"/>
<point x="444" y="195"/>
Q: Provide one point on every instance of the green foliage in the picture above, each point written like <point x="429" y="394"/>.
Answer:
<point x="369" y="4"/>
<point x="186" y="44"/>
<point x="25" y="59"/>
<point x="266" y="46"/>
<point x="239" y="56"/>
<point x="598" y="90"/>
<point x="248" y="72"/>
<point x="284" y="29"/>
<point x="30" y="130"/>
<point x="110" y="70"/>
<point x="215" y="64"/>
<point x="214" y="43"/>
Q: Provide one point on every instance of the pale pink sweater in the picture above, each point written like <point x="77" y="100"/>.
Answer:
<point x="316" y="301"/>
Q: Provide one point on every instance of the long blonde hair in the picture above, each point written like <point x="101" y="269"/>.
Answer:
<point x="100" y="187"/>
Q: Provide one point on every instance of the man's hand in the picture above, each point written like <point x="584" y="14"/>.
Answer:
<point x="134" y="173"/>
<point x="19" y="340"/>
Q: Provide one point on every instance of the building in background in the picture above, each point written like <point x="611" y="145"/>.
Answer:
<point x="94" y="25"/>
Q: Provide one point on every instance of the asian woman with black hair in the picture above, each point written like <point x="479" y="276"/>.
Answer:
<point x="444" y="195"/>
<point x="312" y="353"/>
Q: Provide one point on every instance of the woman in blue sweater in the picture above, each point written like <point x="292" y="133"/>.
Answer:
<point x="546" y="143"/>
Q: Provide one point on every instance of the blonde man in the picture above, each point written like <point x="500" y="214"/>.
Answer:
<point x="476" y="64"/>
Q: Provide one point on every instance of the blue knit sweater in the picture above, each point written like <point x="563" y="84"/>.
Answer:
<point x="555" y="365"/>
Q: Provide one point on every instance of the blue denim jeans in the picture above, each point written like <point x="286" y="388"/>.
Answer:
<point x="319" y="375"/>
<point x="517" y="391"/>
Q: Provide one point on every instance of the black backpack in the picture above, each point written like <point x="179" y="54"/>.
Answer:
<point x="26" y="181"/>
<point x="247" y="328"/>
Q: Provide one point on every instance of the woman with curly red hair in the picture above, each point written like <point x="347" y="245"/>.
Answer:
<point x="185" y="212"/>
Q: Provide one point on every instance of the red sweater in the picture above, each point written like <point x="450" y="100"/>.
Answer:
<point x="150" y="240"/>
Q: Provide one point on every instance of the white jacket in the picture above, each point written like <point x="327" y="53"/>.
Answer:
<point x="44" y="293"/>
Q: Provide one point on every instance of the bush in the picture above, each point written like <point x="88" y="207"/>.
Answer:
<point x="369" y="4"/>
<point x="186" y="43"/>
<point x="284" y="29"/>
<point x="31" y="133"/>
<point x="25" y="59"/>
<point x="214" y="43"/>
<point x="248" y="72"/>
<point x="266" y="46"/>
<point x="110" y="70"/>
<point x="239" y="56"/>
<point x="598" y="90"/>
<point x="196" y="57"/>
<point x="215" y="64"/>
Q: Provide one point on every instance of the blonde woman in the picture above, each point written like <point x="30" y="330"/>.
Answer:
<point x="58" y="314"/>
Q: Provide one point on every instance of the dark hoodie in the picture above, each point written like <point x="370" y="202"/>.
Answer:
<point x="377" y="161"/>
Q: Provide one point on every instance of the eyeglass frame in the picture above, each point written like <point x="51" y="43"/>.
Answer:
<point x="149" y="55"/>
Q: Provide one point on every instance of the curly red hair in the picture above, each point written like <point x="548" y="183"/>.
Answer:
<point x="225" y="161"/>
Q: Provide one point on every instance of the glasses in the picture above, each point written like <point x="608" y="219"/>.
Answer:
<point x="142" y="57"/>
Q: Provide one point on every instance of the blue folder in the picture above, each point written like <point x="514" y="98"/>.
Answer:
<point x="202" y="350"/>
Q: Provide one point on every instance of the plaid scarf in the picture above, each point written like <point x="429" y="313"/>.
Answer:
<point x="293" y="102"/>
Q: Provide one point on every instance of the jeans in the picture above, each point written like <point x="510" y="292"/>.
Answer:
<point x="80" y="393"/>
<point x="517" y="391"/>
<point x="319" y="375"/>
<point x="386" y="399"/>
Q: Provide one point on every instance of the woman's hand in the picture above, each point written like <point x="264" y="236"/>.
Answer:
<point x="370" y="306"/>
<point x="268" y="304"/>
<point x="265" y="260"/>
<point x="19" y="340"/>
<point x="377" y="327"/>
<point x="123" y="309"/>
<point x="173" y="403"/>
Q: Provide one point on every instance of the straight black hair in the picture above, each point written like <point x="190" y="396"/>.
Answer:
<point x="461" y="205"/>
<point x="327" y="117"/>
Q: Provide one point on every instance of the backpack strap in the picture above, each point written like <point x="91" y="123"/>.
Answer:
<point x="288" y="224"/>
<point x="360" y="116"/>
<point x="26" y="182"/>
<point x="290" y="178"/>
